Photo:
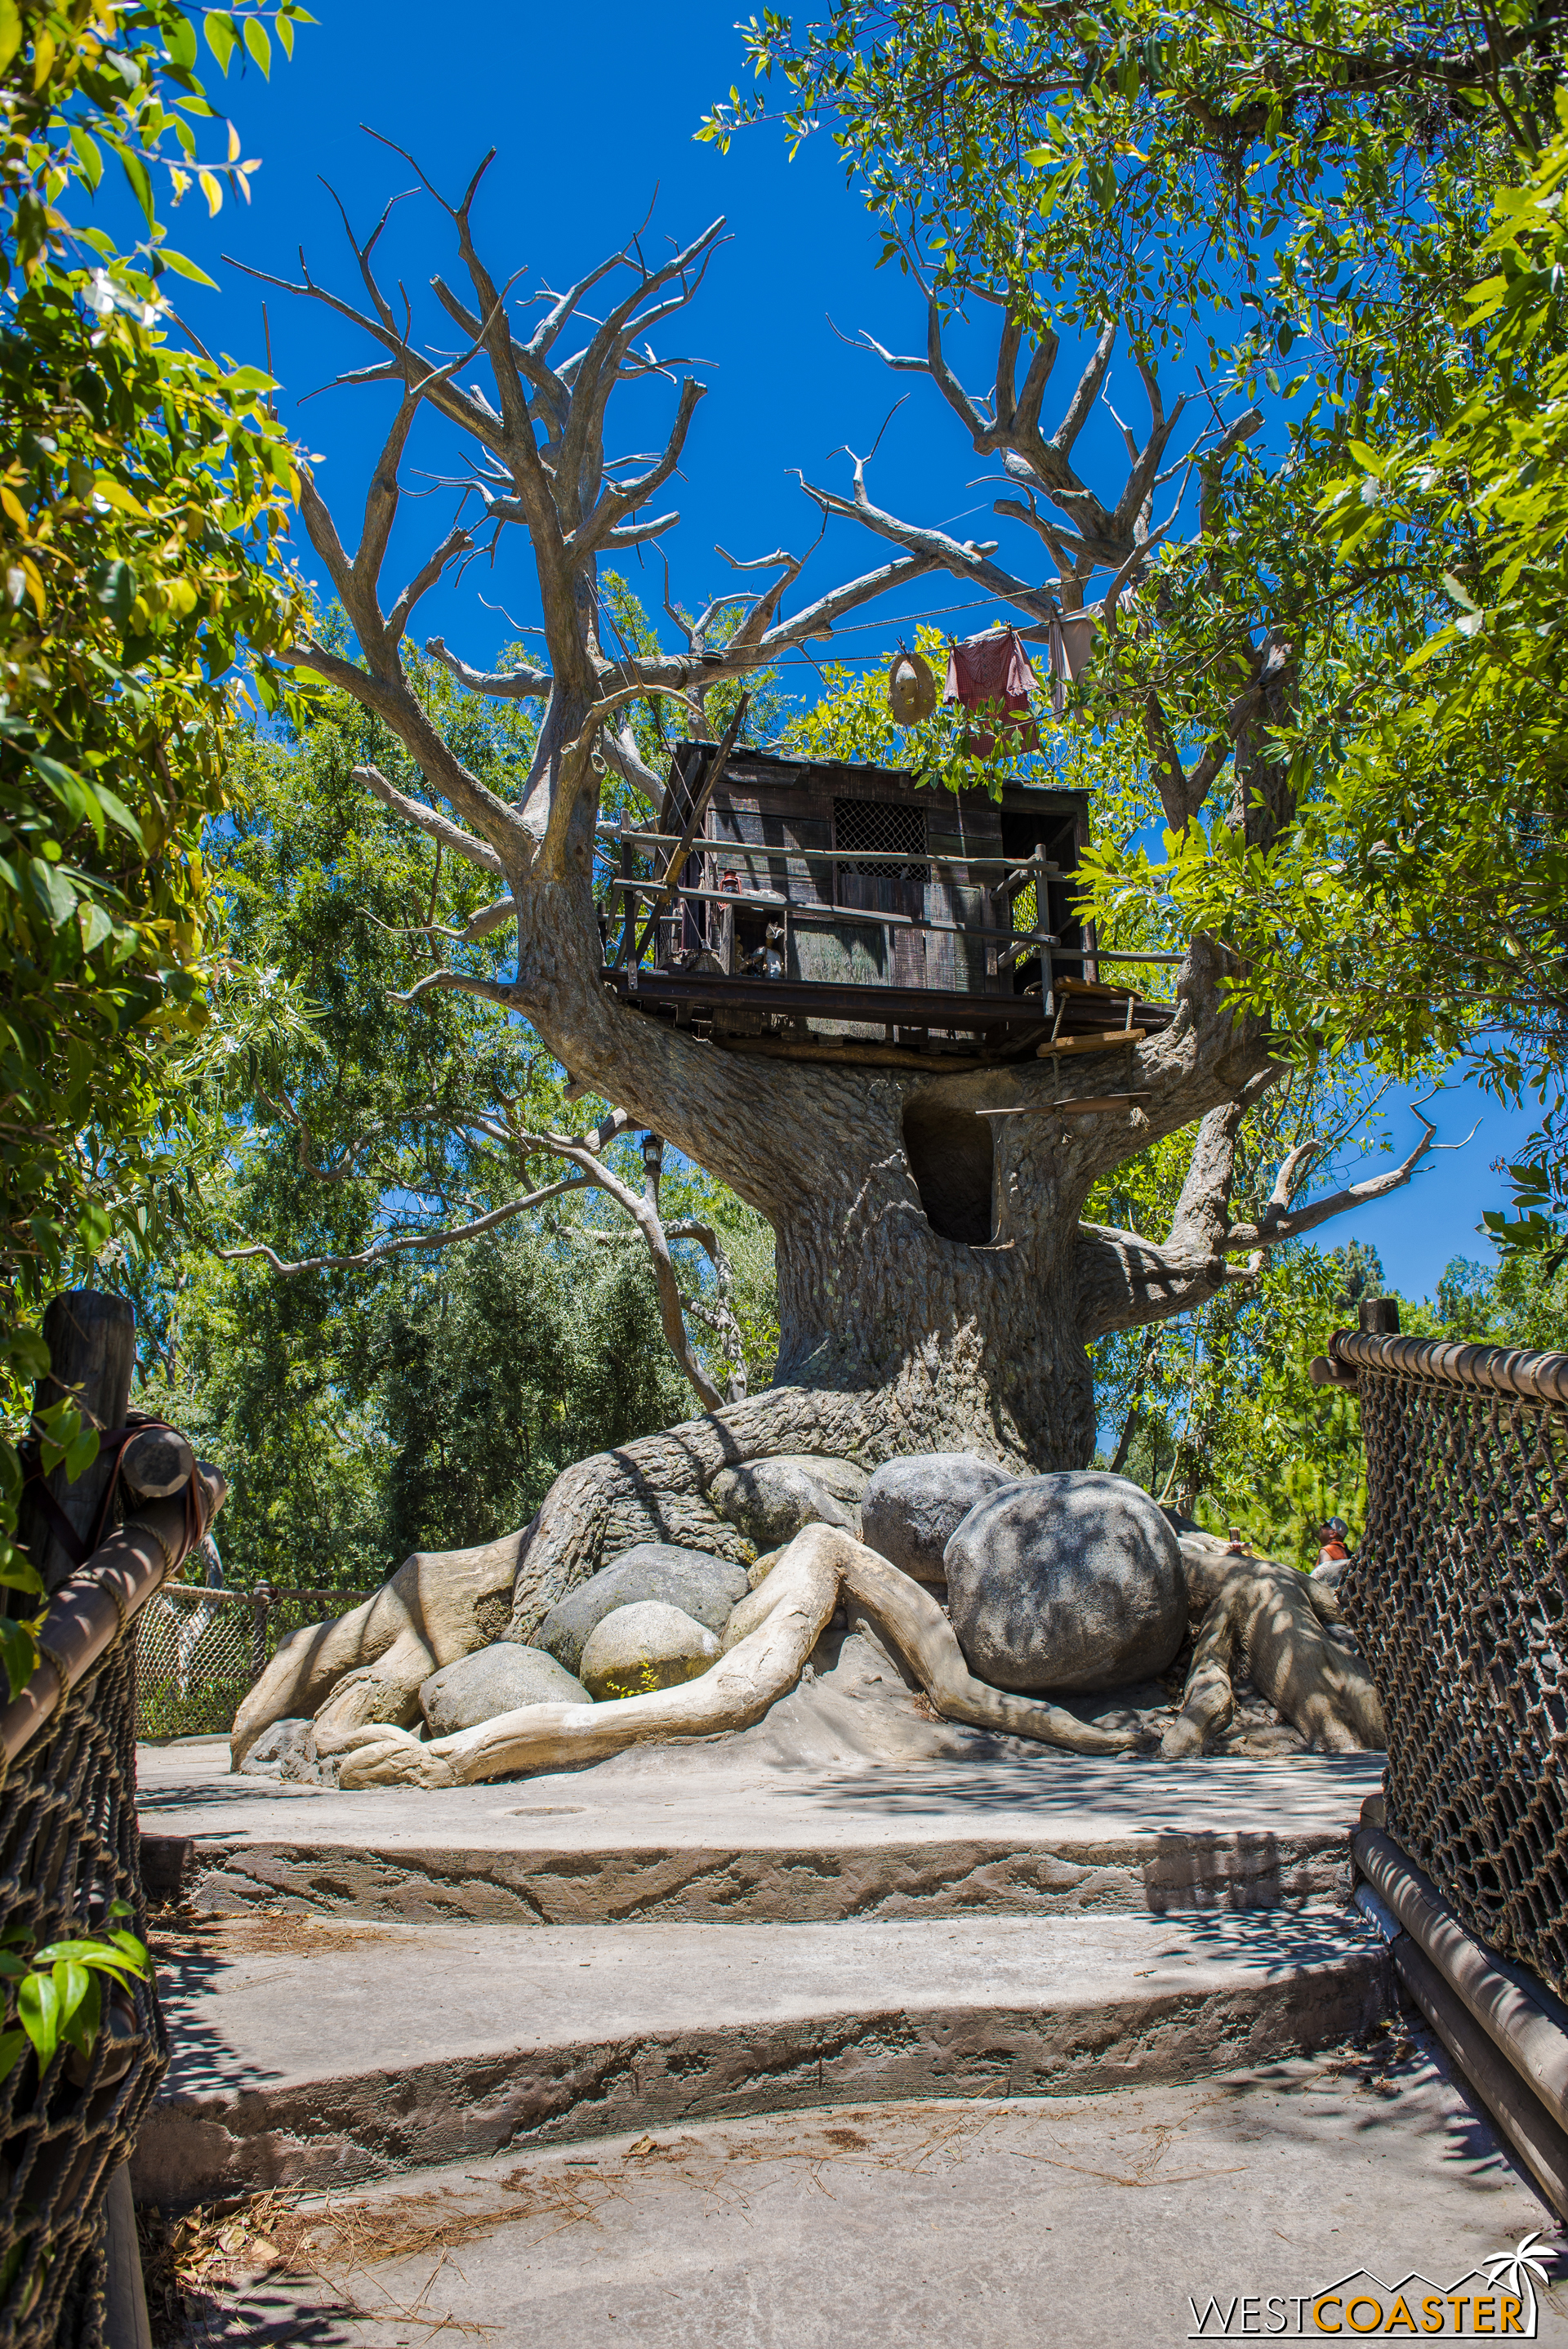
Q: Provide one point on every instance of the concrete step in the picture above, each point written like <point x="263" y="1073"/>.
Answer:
<point x="319" y="2051"/>
<point x="1095" y="2222"/>
<point x="695" y="1836"/>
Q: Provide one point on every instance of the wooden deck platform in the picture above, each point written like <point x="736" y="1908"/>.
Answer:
<point x="995" y="1026"/>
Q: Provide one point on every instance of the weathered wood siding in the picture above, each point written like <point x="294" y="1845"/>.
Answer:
<point x="774" y="824"/>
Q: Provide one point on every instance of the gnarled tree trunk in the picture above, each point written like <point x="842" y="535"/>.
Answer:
<point x="937" y="1290"/>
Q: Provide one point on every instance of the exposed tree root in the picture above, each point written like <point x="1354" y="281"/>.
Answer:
<point x="366" y="1667"/>
<point x="1274" y="1616"/>
<point x="911" y="1623"/>
<point x="821" y="1566"/>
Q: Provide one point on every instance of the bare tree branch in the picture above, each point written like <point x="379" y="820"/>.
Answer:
<point x="456" y="982"/>
<point x="619" y="751"/>
<point x="719" y="1314"/>
<point x="583" y="1150"/>
<point x="643" y="1212"/>
<point x="520" y="683"/>
<point x="439" y="827"/>
<point x="405" y="1243"/>
<point x="1280" y="1224"/>
<point x="1126" y="1280"/>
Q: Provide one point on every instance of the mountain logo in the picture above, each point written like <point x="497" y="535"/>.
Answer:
<point x="1495" y="2300"/>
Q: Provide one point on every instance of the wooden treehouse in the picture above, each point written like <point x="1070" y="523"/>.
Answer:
<point x="818" y="910"/>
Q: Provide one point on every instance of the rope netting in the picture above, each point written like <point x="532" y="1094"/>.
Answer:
<point x="198" y="1650"/>
<point x="193" y="1661"/>
<point x="67" y="1853"/>
<point x="1459" y="1594"/>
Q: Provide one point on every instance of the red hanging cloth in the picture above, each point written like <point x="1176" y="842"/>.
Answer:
<point x="993" y="672"/>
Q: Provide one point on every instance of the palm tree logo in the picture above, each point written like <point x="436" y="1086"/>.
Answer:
<point x="1516" y="2273"/>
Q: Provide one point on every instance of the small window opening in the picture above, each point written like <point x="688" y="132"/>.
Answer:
<point x="864" y="825"/>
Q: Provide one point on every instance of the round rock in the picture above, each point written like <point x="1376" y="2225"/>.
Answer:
<point x="914" y="1507"/>
<point x="702" y="1587"/>
<point x="644" y="1647"/>
<point x="771" y="1500"/>
<point x="494" y="1679"/>
<point x="1067" y="1583"/>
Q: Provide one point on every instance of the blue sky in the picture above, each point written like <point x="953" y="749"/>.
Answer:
<point x="584" y="151"/>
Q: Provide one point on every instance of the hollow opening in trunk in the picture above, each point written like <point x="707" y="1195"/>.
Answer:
<point x="950" y="1152"/>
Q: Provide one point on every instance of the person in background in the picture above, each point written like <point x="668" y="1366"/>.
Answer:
<point x="1236" y="1545"/>
<point x="1332" y="1537"/>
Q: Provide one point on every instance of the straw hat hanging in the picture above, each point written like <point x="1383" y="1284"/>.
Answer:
<point x="911" y="689"/>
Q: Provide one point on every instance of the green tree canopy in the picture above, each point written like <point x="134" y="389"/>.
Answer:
<point x="143" y="488"/>
<point x="397" y="1385"/>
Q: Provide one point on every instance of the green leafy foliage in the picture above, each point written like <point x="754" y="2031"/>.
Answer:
<point x="54" y="1993"/>
<point x="1352" y="218"/>
<point x="1215" y="1412"/>
<point x="425" y="1406"/>
<point x="143" y="487"/>
<point x="84" y="80"/>
<point x="853" y="720"/>
<point x="1231" y="1428"/>
<point x="1432" y="870"/>
<point x="502" y="1368"/>
<point x="1151" y="162"/>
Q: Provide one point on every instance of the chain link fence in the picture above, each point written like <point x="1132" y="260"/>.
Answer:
<point x="199" y="1651"/>
<point x="1459" y="1594"/>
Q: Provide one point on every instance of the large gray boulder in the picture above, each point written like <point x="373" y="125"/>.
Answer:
<point x="914" y="1507"/>
<point x="1067" y="1583"/>
<point x="702" y="1587"/>
<point x="771" y="1500"/>
<point x="494" y="1679"/>
<point x="649" y="1646"/>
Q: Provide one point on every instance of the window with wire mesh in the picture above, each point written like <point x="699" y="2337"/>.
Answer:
<point x="866" y="825"/>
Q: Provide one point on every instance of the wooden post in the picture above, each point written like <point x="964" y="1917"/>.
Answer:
<point x="1043" y="923"/>
<point x="91" y="1339"/>
<point x="628" y="902"/>
<point x="261" y="1607"/>
<point x="127" y="2325"/>
<point x="699" y="809"/>
<point x="1379" y="1317"/>
<point x="155" y="1463"/>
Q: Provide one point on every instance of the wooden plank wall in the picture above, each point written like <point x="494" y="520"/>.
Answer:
<point x="766" y="804"/>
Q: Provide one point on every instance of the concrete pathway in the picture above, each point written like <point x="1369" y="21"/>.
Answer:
<point x="312" y="2051"/>
<point x="996" y="2224"/>
<point x="364" y="1984"/>
<point x="701" y="1833"/>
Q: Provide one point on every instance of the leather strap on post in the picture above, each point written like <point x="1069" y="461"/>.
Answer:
<point x="112" y="1441"/>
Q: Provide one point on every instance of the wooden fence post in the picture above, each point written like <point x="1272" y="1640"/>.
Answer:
<point x="91" y="1339"/>
<point x="261" y="1609"/>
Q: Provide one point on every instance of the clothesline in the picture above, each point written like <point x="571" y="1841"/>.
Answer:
<point x="903" y="620"/>
<point x="802" y="658"/>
